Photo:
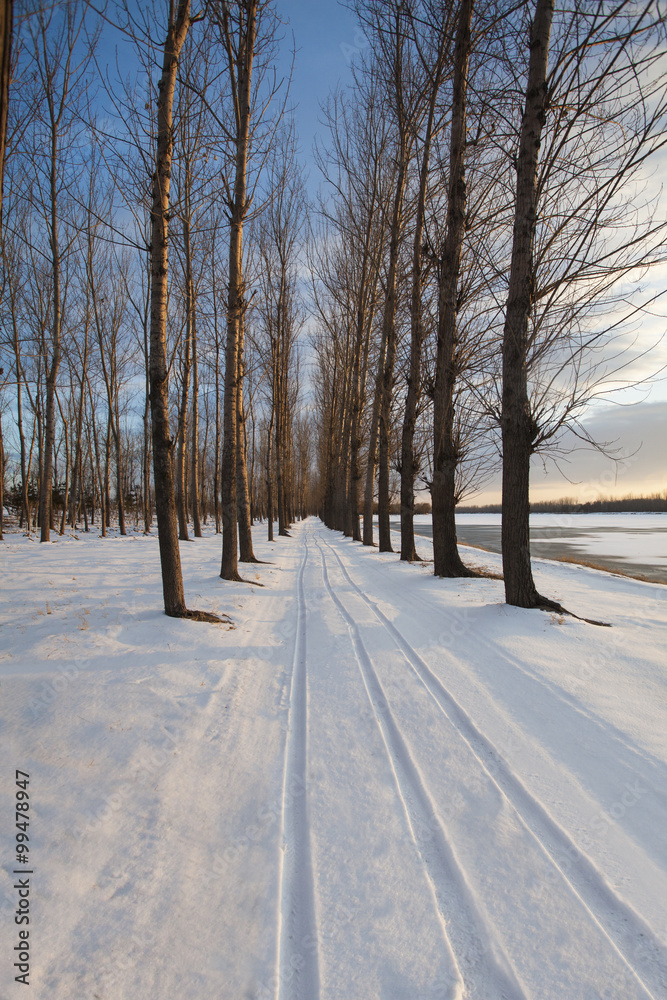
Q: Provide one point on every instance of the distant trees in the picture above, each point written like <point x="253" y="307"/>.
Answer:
<point x="52" y="133"/>
<point x="279" y="319"/>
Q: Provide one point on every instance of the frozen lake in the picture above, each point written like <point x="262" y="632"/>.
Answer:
<point x="632" y="543"/>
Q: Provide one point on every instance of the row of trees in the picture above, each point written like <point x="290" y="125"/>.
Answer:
<point x="476" y="263"/>
<point x="127" y="327"/>
<point x="481" y="260"/>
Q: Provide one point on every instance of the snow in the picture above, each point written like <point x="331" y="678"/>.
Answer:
<point x="374" y="784"/>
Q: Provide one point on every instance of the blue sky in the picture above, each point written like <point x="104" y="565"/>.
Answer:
<point x="326" y="37"/>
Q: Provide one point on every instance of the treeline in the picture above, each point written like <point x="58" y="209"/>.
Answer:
<point x="486" y="217"/>
<point x="628" y="505"/>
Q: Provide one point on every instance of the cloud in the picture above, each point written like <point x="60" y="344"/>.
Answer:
<point x="635" y="434"/>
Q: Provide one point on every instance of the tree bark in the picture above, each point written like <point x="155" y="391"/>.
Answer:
<point x="240" y="68"/>
<point x="409" y="461"/>
<point x="446" y="453"/>
<point x="389" y="337"/>
<point x="216" y="461"/>
<point x="517" y="423"/>
<point x="65" y="423"/>
<point x="371" y="462"/>
<point x="246" y="553"/>
<point x="269" y="477"/>
<point x="194" y="442"/>
<point x="170" y="557"/>
<point x="181" y="447"/>
<point x="46" y="492"/>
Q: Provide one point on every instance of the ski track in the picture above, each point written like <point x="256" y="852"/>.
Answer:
<point x="559" y="694"/>
<point x="629" y="935"/>
<point x="654" y="771"/>
<point x="297" y="971"/>
<point x="484" y="968"/>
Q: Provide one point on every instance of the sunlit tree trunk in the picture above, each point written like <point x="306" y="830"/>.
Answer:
<point x="172" y="579"/>
<point x="517" y="423"/>
<point x="240" y="69"/>
<point x="446" y="559"/>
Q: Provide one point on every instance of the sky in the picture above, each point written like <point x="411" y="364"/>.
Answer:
<point x="326" y="38"/>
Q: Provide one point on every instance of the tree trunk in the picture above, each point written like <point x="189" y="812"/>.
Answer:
<point x="46" y="495"/>
<point x="25" y="472"/>
<point x="194" y="441"/>
<point x="148" y="510"/>
<point x="146" y="459"/>
<point x="216" y="461"/>
<point x="517" y="423"/>
<point x="181" y="447"/>
<point x="371" y="462"/>
<point x="107" y="475"/>
<point x="389" y="337"/>
<point x="98" y="466"/>
<point x="246" y="553"/>
<point x="280" y="439"/>
<point x="240" y="68"/>
<point x="409" y="461"/>
<point x="170" y="557"/>
<point x="119" y="471"/>
<point x="65" y="423"/>
<point x="75" y="501"/>
<point x="269" y="477"/>
<point x="446" y="452"/>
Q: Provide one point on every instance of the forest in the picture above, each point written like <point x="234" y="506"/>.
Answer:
<point x="187" y="337"/>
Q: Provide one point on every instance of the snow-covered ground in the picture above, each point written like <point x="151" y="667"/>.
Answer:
<point x="374" y="784"/>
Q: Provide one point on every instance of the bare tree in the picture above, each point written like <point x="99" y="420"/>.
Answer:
<point x="165" y="505"/>
<point x="280" y="233"/>
<point x="580" y="228"/>
<point x="447" y="561"/>
<point x="434" y="63"/>
<point x="389" y="25"/>
<point x="246" y="30"/>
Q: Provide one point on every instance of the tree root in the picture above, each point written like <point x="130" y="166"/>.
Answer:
<point x="461" y="572"/>
<point x="545" y="604"/>
<point x="205" y="616"/>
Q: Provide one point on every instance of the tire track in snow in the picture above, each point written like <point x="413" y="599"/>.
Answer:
<point x="630" y="936"/>
<point x="297" y="971"/>
<point x="483" y="967"/>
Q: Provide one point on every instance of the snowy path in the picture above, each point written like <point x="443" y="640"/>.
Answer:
<point x="377" y="785"/>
